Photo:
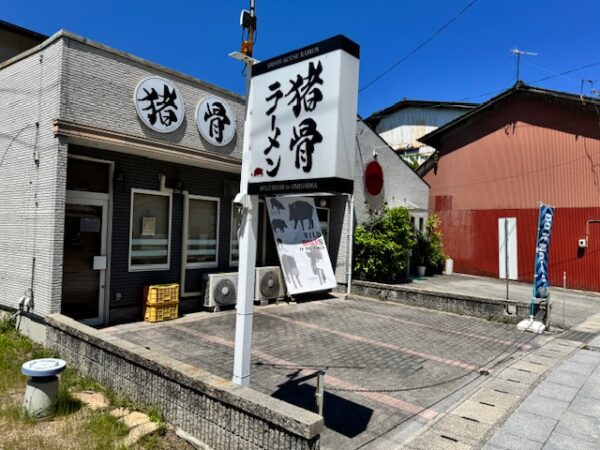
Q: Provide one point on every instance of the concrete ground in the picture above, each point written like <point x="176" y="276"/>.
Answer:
<point x="391" y="370"/>
<point x="563" y="412"/>
<point x="569" y="307"/>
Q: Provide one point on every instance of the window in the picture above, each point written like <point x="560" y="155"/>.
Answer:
<point x="323" y="214"/>
<point x="234" y="248"/>
<point x="150" y="226"/>
<point x="202" y="232"/>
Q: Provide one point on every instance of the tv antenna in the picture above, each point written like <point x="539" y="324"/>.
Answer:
<point x="515" y="51"/>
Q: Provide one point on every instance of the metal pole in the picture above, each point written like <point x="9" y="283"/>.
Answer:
<point x="564" y="299"/>
<point x="247" y="249"/>
<point x="319" y="393"/>
<point x="506" y="253"/>
<point x="350" y="243"/>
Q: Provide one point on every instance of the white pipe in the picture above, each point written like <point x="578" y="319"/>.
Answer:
<point x="350" y="241"/>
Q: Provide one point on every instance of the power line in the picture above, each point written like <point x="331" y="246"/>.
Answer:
<point x="419" y="47"/>
<point x="577" y="69"/>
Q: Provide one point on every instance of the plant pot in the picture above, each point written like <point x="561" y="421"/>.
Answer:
<point x="421" y="271"/>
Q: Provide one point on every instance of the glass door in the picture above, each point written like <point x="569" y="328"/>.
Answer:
<point x="84" y="263"/>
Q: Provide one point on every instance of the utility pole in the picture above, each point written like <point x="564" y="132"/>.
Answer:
<point x="248" y="204"/>
<point x="515" y="51"/>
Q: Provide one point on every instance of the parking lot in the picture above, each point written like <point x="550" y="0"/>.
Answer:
<point x="390" y="369"/>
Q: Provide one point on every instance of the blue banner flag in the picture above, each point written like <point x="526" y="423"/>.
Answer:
<point x="541" y="282"/>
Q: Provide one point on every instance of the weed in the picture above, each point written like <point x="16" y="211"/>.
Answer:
<point x="106" y="430"/>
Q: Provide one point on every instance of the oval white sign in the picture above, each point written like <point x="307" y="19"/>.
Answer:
<point x="159" y="104"/>
<point x="215" y="120"/>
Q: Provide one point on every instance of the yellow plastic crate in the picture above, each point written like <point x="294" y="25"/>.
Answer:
<point x="161" y="293"/>
<point x="161" y="311"/>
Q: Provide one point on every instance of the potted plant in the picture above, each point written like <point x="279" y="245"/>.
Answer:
<point x="421" y="252"/>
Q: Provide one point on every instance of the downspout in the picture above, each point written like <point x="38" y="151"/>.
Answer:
<point x="350" y="242"/>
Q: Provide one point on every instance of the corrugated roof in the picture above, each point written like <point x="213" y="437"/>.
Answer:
<point x="407" y="103"/>
<point x="433" y="138"/>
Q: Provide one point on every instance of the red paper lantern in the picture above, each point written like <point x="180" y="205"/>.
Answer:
<point x="374" y="178"/>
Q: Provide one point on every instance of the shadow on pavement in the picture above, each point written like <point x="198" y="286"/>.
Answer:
<point x="340" y="415"/>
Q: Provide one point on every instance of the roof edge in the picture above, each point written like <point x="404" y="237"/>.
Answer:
<point x="64" y="34"/>
<point x="407" y="103"/>
<point x="432" y="138"/>
<point x="22" y="31"/>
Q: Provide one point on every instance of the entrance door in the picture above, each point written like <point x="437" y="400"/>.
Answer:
<point x="84" y="264"/>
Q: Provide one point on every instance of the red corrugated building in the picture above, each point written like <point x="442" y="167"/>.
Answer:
<point x="524" y="146"/>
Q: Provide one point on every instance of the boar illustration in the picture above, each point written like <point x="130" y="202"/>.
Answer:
<point x="258" y="172"/>
<point x="301" y="211"/>
<point x="278" y="224"/>
<point x="290" y="270"/>
<point x="276" y="204"/>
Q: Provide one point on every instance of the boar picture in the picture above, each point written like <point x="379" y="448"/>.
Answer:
<point x="278" y="224"/>
<point x="301" y="211"/>
<point x="258" y="172"/>
<point x="290" y="270"/>
<point x="276" y="204"/>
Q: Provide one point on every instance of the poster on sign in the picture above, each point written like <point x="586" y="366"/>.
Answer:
<point x="300" y="244"/>
<point x="302" y="131"/>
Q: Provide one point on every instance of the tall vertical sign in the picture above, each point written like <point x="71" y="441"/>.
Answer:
<point x="298" y="138"/>
<point x="542" y="247"/>
<point x="303" y="106"/>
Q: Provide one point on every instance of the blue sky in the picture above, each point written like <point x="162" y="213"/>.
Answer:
<point x="469" y="58"/>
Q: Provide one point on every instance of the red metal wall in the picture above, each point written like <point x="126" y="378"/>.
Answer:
<point x="471" y="239"/>
<point x="502" y="165"/>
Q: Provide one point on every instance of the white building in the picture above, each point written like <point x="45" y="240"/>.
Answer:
<point x="402" y="124"/>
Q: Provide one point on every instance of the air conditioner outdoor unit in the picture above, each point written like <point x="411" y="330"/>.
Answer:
<point x="220" y="290"/>
<point x="269" y="284"/>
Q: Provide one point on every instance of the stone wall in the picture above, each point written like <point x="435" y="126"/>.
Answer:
<point x="485" y="308"/>
<point x="214" y="410"/>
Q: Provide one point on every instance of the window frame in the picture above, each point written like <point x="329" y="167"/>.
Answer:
<point x="233" y="263"/>
<point x="150" y="267"/>
<point x="186" y="223"/>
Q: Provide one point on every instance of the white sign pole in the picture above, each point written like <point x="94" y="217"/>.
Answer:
<point x="247" y="257"/>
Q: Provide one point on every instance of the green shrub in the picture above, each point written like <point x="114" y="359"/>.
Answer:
<point x="436" y="256"/>
<point x="429" y="250"/>
<point x="382" y="246"/>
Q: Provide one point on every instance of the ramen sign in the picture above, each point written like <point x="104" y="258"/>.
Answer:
<point x="303" y="125"/>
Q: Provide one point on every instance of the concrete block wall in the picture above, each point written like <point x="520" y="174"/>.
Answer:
<point x="215" y="411"/>
<point x="31" y="193"/>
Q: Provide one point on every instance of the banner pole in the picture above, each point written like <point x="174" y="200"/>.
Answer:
<point x="248" y="205"/>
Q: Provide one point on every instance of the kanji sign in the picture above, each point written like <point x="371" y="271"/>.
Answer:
<point x="159" y="104"/>
<point x="303" y="125"/>
<point x="215" y="121"/>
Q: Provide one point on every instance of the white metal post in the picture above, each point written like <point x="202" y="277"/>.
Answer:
<point x="247" y="258"/>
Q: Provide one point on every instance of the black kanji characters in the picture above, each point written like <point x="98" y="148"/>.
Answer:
<point x="216" y="115"/>
<point x="306" y="94"/>
<point x="303" y="142"/>
<point x="161" y="107"/>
